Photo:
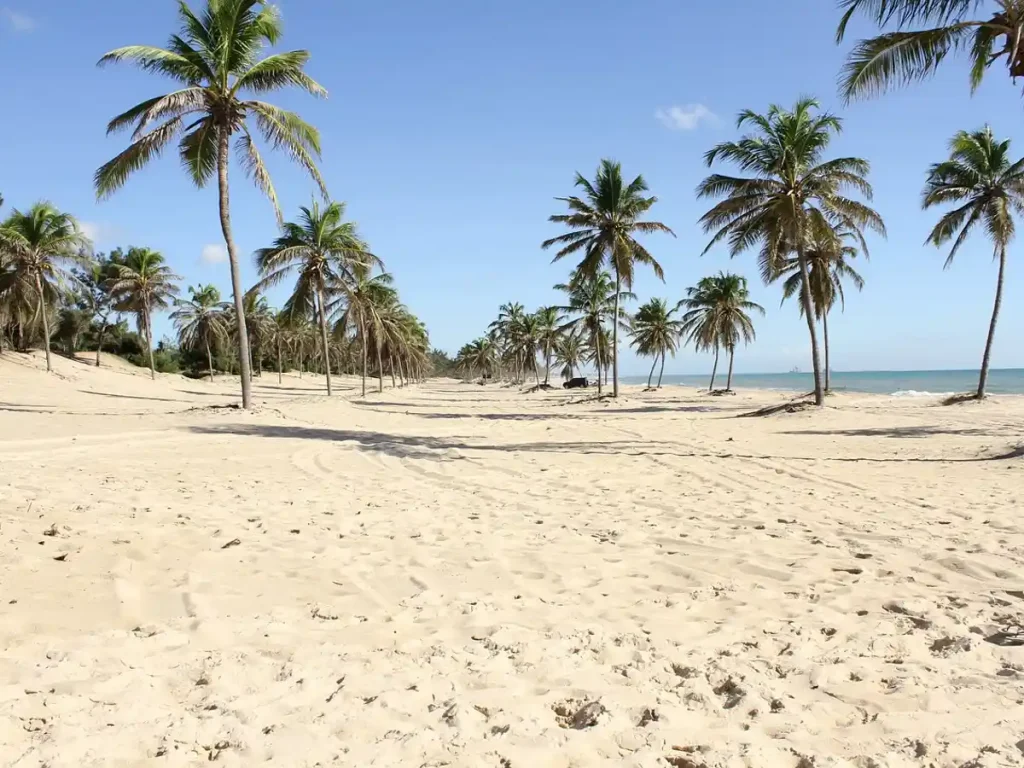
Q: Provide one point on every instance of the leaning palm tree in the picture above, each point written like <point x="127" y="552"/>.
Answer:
<point x="908" y="53"/>
<point x="987" y="187"/>
<point x="603" y="228"/>
<point x="828" y="263"/>
<point x="322" y="250"/>
<point x="201" y="322"/>
<point x="143" y="284"/>
<point x="549" y="322"/>
<point x="360" y="309"/>
<point x="790" y="194"/>
<point x="656" y="333"/>
<point x="216" y="58"/>
<point x="718" y="316"/>
<point x="38" y="243"/>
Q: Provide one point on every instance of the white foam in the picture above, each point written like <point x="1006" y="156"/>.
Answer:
<point x="917" y="393"/>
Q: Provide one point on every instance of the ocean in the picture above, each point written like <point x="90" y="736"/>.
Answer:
<point x="1006" y="381"/>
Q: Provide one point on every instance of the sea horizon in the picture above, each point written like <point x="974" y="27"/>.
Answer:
<point x="905" y="383"/>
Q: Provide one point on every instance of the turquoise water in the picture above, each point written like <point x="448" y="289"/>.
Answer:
<point x="903" y="383"/>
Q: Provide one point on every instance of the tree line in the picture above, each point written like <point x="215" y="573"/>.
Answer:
<point x="343" y="313"/>
<point x="806" y="214"/>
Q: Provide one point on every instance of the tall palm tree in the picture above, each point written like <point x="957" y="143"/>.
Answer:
<point x="143" y="284"/>
<point x="504" y="331"/>
<point x="216" y="59"/>
<point x="987" y="187"/>
<point x="593" y="300"/>
<point x="718" y="316"/>
<point x="201" y="322"/>
<point x="791" y="194"/>
<point x="828" y="262"/>
<point x="549" y="322"/>
<point x="259" y="324"/>
<point x="39" y="243"/>
<point x="603" y="228"/>
<point x="322" y="249"/>
<point x="656" y="333"/>
<point x="906" y="53"/>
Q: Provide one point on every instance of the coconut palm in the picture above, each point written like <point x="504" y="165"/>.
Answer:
<point x="202" y="322"/>
<point x="504" y="331"/>
<point x="39" y="243"/>
<point x="96" y="297"/>
<point x="828" y="264"/>
<point x="259" y="324"/>
<point x="604" y="228"/>
<point x="216" y="58"/>
<point x="479" y="355"/>
<point x="322" y="250"/>
<point x="361" y="307"/>
<point x="987" y="31"/>
<point x="718" y="316"/>
<point x="569" y="352"/>
<point x="987" y="186"/>
<point x="549" y="322"/>
<point x="144" y="284"/>
<point x="593" y="300"/>
<point x="656" y="333"/>
<point x="790" y="196"/>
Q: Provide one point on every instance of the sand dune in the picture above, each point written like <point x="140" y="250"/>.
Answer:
<point x="455" y="575"/>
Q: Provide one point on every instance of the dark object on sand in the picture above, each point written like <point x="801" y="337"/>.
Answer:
<point x="578" y="383"/>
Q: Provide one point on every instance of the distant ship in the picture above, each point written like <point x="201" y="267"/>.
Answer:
<point x="796" y="370"/>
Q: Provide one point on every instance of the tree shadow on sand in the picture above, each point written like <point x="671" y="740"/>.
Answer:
<point x="448" y="448"/>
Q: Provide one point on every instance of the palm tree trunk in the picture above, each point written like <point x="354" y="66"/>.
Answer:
<point x="236" y="274"/>
<point x="650" y="376"/>
<point x="805" y="295"/>
<point x="149" y="342"/>
<point x="714" y="371"/>
<point x="362" y="335"/>
<point x="401" y="372"/>
<point x="280" y="371"/>
<point x="209" y="359"/>
<point x="597" y="358"/>
<point x="828" y="368"/>
<point x="323" y="335"/>
<point x="662" y="371"/>
<point x="547" y="363"/>
<point x="46" y="322"/>
<point x="615" y="336"/>
<point x="99" y="345"/>
<point x="983" y="379"/>
<point x="391" y="367"/>
<point x="380" y="371"/>
<point x="732" y="356"/>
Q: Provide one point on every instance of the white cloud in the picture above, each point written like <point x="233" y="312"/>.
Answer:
<point x="19" y="22"/>
<point x="99" y="232"/>
<point x="685" y="118"/>
<point x="214" y="254"/>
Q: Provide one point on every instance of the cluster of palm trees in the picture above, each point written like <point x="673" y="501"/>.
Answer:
<point x="341" y="291"/>
<point x="806" y="213"/>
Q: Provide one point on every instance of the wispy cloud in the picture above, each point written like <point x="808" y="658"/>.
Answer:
<point x="19" y="22"/>
<point x="214" y="254"/>
<point x="687" y="117"/>
<point x="99" y="232"/>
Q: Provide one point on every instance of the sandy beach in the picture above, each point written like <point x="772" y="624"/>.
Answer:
<point x="457" y="575"/>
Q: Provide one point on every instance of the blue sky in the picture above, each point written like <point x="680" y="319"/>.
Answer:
<point x="451" y="126"/>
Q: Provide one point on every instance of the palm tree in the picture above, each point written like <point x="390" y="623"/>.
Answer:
<point x="988" y="189"/>
<point x="94" y="281"/>
<point x="656" y="333"/>
<point x="201" y="322"/>
<point x="791" y="196"/>
<point x="828" y="266"/>
<point x="593" y="300"/>
<point x="717" y="316"/>
<point x="323" y="249"/>
<point x="504" y="331"/>
<point x="216" y="58"/>
<point x="604" y="228"/>
<point x="569" y="352"/>
<point x="549" y="322"/>
<point x="144" y="283"/>
<point x="905" y="54"/>
<point x="38" y="243"/>
<point x="259" y="324"/>
<point x="363" y="300"/>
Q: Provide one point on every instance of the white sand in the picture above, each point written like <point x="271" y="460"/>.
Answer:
<point x="424" y="578"/>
